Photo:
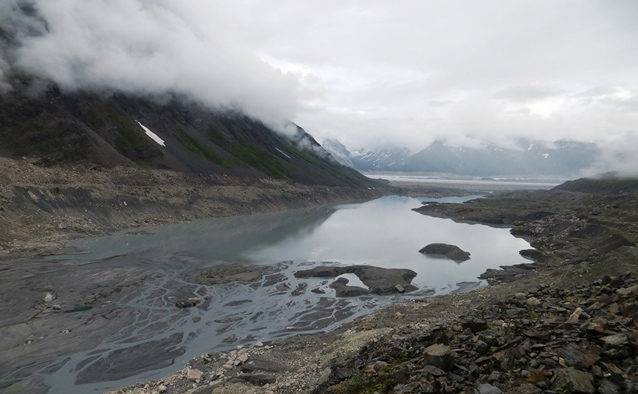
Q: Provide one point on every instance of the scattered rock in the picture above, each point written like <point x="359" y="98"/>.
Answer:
<point x="575" y="316"/>
<point x="615" y="340"/>
<point x="486" y="388"/>
<point x="574" y="381"/>
<point x="533" y="301"/>
<point x="439" y="356"/>
<point x="48" y="297"/>
<point x="194" y="374"/>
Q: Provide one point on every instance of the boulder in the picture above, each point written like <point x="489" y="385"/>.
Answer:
<point x="192" y="301"/>
<point x="343" y="290"/>
<point x="452" y="252"/>
<point x="578" y="357"/>
<point x="439" y="356"/>
<point x="194" y="374"/>
<point x="487" y="388"/>
<point x="574" y="381"/>
<point x="381" y="281"/>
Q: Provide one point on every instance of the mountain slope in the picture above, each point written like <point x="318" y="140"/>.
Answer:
<point x="111" y="130"/>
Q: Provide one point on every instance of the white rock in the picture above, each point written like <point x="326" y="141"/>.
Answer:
<point x="575" y="316"/>
<point x="533" y="301"/>
<point x="194" y="374"/>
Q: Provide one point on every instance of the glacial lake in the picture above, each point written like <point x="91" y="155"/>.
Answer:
<point x="384" y="233"/>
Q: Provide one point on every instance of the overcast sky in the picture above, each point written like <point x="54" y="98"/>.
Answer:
<point x="369" y="73"/>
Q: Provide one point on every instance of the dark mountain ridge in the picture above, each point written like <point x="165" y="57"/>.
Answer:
<point x="105" y="129"/>
<point x="610" y="183"/>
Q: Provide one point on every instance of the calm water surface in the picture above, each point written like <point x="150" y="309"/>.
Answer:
<point x="384" y="233"/>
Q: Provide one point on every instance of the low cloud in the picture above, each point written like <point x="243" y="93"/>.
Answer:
<point x="528" y="93"/>
<point x="618" y="155"/>
<point x="144" y="47"/>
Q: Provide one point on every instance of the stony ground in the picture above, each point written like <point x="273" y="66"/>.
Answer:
<point x="565" y="323"/>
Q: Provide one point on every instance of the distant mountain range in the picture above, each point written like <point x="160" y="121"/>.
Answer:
<point x="170" y="132"/>
<point x="560" y="158"/>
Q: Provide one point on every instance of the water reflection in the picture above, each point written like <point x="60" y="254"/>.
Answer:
<point x="386" y="233"/>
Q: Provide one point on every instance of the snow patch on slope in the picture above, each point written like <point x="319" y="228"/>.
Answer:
<point x="152" y="135"/>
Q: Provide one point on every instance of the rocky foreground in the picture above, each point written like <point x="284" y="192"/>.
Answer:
<point x="566" y="322"/>
<point x="581" y="340"/>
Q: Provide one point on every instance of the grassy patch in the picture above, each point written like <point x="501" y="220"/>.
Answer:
<point x="197" y="147"/>
<point x="128" y="136"/>
<point x="254" y="157"/>
<point x="364" y="384"/>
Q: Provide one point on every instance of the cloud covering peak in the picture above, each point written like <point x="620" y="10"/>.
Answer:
<point x="142" y="46"/>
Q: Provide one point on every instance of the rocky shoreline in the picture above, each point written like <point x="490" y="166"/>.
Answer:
<point x="566" y="322"/>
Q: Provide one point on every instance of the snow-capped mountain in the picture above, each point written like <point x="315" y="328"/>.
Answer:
<point x="559" y="158"/>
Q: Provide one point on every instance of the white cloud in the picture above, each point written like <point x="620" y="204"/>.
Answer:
<point x="148" y="47"/>
<point x="367" y="72"/>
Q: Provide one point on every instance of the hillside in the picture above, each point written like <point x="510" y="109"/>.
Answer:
<point x="109" y="130"/>
<point x="83" y="164"/>
<point x="609" y="183"/>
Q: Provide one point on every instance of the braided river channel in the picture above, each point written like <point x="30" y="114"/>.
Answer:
<point x="150" y="337"/>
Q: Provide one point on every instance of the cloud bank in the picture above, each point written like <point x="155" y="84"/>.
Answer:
<point x="143" y="47"/>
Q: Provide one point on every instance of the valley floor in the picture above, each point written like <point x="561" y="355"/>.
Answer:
<point x="565" y="323"/>
<point x="582" y="241"/>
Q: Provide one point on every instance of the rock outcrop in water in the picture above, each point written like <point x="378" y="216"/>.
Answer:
<point x="382" y="281"/>
<point x="342" y="288"/>
<point x="452" y="252"/>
